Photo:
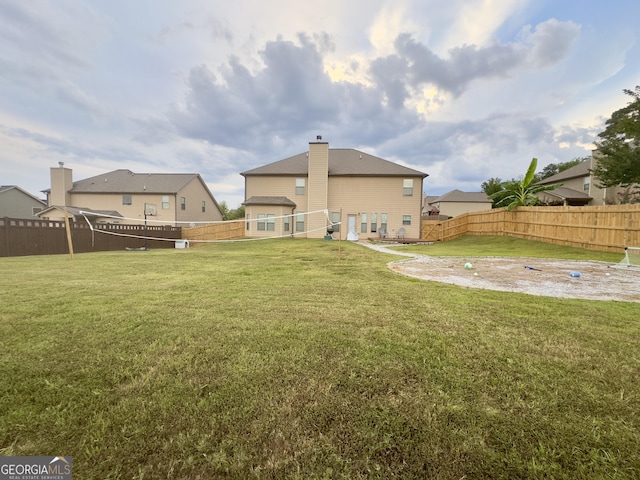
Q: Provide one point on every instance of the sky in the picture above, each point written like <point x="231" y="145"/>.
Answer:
<point x="462" y="90"/>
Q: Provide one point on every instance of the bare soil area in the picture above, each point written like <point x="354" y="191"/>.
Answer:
<point x="545" y="277"/>
<point x="551" y="277"/>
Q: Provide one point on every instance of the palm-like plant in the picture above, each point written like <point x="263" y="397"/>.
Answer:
<point x="522" y="193"/>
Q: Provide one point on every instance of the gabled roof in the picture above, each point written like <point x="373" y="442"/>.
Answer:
<point x="79" y="211"/>
<point x="429" y="199"/>
<point x="342" y="162"/>
<point x="465" y="197"/>
<point x="126" y="181"/>
<point x="566" y="193"/>
<point x="6" y="188"/>
<point x="266" y="200"/>
<point x="577" y="171"/>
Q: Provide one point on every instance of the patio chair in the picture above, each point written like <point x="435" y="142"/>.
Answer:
<point x="382" y="232"/>
<point x="400" y="233"/>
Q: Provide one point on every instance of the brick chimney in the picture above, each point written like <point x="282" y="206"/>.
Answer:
<point x="318" y="187"/>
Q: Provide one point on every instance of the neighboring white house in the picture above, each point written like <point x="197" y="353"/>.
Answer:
<point x="457" y="202"/>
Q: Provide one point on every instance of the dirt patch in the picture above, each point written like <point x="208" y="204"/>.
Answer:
<point x="551" y="278"/>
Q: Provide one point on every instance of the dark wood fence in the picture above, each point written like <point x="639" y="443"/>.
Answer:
<point x="47" y="237"/>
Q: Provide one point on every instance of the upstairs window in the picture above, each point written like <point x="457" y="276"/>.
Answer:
<point x="300" y="182"/>
<point x="407" y="187"/>
<point x="183" y="203"/>
<point x="126" y="200"/>
<point x="165" y="202"/>
<point x="204" y="206"/>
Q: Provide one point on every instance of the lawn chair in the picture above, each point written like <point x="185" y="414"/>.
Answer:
<point x="400" y="234"/>
<point x="382" y="232"/>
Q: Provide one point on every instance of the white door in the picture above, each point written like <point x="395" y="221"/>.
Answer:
<point x="351" y="228"/>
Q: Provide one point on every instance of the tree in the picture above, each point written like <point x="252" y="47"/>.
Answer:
<point x="236" y="213"/>
<point x="618" y="147"/>
<point x="231" y="214"/>
<point x="521" y="193"/>
<point x="555" y="168"/>
<point x="491" y="186"/>
<point x="224" y="208"/>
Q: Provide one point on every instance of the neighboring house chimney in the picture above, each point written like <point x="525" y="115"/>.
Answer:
<point x="318" y="186"/>
<point x="61" y="183"/>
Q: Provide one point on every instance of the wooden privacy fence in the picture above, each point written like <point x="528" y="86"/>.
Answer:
<point x="608" y="228"/>
<point x="48" y="237"/>
<point x="231" y="230"/>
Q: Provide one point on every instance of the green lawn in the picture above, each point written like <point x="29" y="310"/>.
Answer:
<point x="310" y="359"/>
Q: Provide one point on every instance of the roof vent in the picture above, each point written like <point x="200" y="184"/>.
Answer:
<point x="318" y="137"/>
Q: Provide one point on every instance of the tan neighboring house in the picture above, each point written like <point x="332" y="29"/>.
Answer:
<point x="579" y="187"/>
<point x="457" y="202"/>
<point x="367" y="195"/>
<point x="18" y="203"/>
<point x="176" y="199"/>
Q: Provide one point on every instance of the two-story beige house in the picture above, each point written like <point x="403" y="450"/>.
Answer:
<point x="122" y="196"/>
<point x="345" y="190"/>
<point x="579" y="187"/>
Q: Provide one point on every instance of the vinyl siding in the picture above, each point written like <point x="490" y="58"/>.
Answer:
<point x="276" y="187"/>
<point x="113" y="201"/>
<point x="15" y="204"/>
<point x="352" y="195"/>
<point x="194" y="193"/>
<point x="453" y="209"/>
<point x="278" y="211"/>
<point x="355" y="195"/>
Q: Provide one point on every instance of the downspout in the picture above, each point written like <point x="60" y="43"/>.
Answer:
<point x="421" y="206"/>
<point x="175" y="209"/>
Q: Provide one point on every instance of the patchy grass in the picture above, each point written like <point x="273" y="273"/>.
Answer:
<point x="496" y="246"/>
<point x="288" y="359"/>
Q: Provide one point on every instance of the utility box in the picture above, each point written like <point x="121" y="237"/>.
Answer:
<point x="182" y="243"/>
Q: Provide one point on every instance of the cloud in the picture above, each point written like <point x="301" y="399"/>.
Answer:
<point x="416" y="65"/>
<point x="36" y="37"/>
<point x="550" y="41"/>
<point x="293" y="95"/>
<point x="471" y="88"/>
<point x="74" y="96"/>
